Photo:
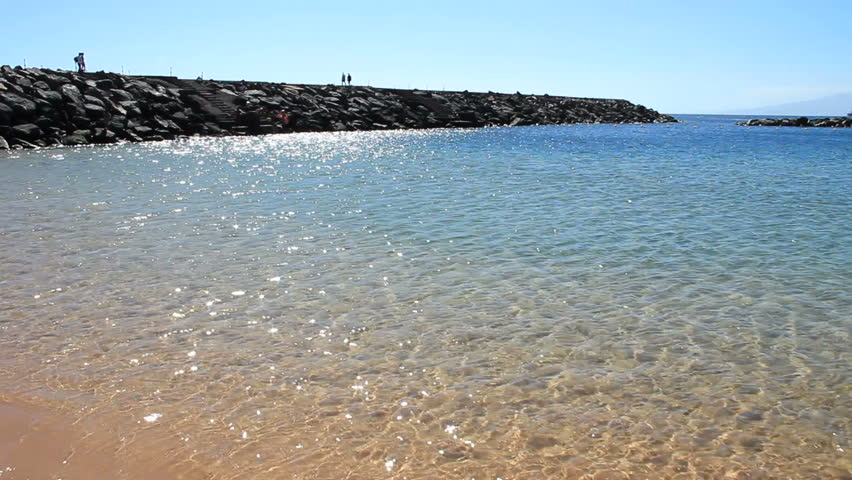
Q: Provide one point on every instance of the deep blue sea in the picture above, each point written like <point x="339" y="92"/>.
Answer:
<point x="583" y="301"/>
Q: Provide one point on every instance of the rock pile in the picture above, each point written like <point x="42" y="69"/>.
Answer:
<point x="41" y="108"/>
<point x="799" y="122"/>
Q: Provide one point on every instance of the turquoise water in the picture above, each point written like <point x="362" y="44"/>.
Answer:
<point x="631" y="301"/>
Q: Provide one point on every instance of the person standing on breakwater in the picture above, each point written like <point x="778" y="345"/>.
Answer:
<point x="349" y="79"/>
<point x="81" y="63"/>
<point x="343" y="79"/>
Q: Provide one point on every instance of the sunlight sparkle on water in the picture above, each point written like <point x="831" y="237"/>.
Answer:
<point x="152" y="417"/>
<point x="563" y="297"/>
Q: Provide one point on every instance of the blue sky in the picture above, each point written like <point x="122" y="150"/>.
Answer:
<point x="673" y="56"/>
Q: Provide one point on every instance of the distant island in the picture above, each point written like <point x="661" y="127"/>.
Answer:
<point x="44" y="108"/>
<point x="831" y="106"/>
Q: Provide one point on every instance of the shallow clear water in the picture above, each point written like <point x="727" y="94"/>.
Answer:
<point x="659" y="301"/>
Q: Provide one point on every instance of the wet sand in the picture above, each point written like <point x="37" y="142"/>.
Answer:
<point x="37" y="442"/>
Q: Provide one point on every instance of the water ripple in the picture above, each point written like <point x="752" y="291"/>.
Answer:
<point x="640" y="301"/>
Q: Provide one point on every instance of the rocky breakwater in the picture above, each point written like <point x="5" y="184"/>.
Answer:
<point x="42" y="108"/>
<point x="835" y="122"/>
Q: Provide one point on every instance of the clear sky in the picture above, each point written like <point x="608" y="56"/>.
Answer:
<point x="677" y="56"/>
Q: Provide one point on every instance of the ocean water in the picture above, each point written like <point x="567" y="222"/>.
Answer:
<point x="586" y="301"/>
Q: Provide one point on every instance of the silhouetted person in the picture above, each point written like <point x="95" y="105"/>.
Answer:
<point x="343" y="79"/>
<point x="81" y="62"/>
<point x="349" y="79"/>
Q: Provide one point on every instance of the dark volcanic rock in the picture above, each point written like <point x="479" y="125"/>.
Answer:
<point x="103" y="135"/>
<point x="81" y="121"/>
<point x="54" y="81"/>
<point x="95" y="111"/>
<point x="19" y="105"/>
<point x="74" y="139"/>
<point x="27" y="131"/>
<point x="89" y="99"/>
<point x="131" y="107"/>
<point x="836" y="122"/>
<point x="49" y="107"/>
<point x="6" y="113"/>
<point x="120" y="95"/>
<point x="71" y="94"/>
<point x="104" y="84"/>
<point x="52" y="96"/>
<point x="143" y="131"/>
<point x="44" y="122"/>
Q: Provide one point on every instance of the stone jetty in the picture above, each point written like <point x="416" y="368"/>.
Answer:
<point x="45" y="108"/>
<point x="834" y="122"/>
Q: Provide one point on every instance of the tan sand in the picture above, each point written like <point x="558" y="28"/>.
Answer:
<point x="40" y="443"/>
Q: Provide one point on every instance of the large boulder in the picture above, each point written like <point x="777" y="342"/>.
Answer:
<point x="164" y="124"/>
<point x="81" y="122"/>
<point x="142" y="89"/>
<point x="74" y="110"/>
<point x="103" y="135"/>
<point x="25" y="83"/>
<point x="201" y="105"/>
<point x="43" y="107"/>
<point x="6" y="86"/>
<point x="51" y="96"/>
<point x="121" y="95"/>
<point x="104" y="84"/>
<point x="114" y="108"/>
<point x="93" y="100"/>
<point x="20" y="105"/>
<point x="4" y="145"/>
<point x="71" y="93"/>
<point x="142" y="131"/>
<point x="94" y="111"/>
<point x="180" y="117"/>
<point x="74" y="105"/>
<point x="117" y="123"/>
<point x="74" y="139"/>
<point x="54" y="81"/>
<point x="131" y="107"/>
<point x="6" y="113"/>
<point x="44" y="122"/>
<point x="27" y="131"/>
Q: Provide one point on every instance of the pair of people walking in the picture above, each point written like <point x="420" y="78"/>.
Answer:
<point x="346" y="79"/>
<point x="80" y="60"/>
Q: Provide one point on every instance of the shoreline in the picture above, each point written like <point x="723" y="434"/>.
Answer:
<point x="44" y="108"/>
